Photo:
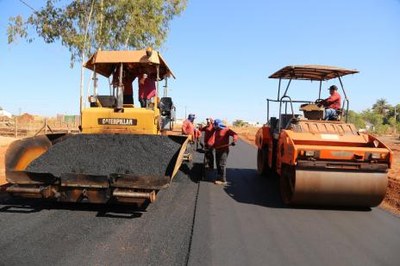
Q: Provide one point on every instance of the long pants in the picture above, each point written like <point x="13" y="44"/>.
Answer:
<point x="209" y="158"/>
<point x="330" y="114"/>
<point x="144" y="103"/>
<point x="221" y="157"/>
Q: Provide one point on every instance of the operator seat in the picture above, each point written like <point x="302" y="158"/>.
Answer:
<point x="312" y="111"/>
<point x="166" y="106"/>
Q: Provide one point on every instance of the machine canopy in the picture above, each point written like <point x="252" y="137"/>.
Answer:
<point x="136" y="62"/>
<point x="311" y="72"/>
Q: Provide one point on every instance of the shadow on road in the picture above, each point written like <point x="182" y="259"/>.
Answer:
<point x="27" y="206"/>
<point x="246" y="186"/>
<point x="193" y="170"/>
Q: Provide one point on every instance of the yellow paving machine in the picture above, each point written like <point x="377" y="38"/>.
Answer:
<point x="124" y="152"/>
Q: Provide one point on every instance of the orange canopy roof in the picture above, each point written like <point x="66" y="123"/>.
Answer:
<point x="135" y="61"/>
<point x="312" y="72"/>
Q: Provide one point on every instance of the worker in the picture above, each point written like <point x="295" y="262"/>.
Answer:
<point x="208" y="130"/>
<point x="220" y="142"/>
<point x="147" y="90"/>
<point x="127" y="80"/>
<point x="188" y="128"/>
<point x="332" y="104"/>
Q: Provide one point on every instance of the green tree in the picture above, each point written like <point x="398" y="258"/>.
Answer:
<point x="84" y="26"/>
<point x="376" y="120"/>
<point x="356" y="119"/>
<point x="393" y="112"/>
<point x="239" y="123"/>
<point x="381" y="106"/>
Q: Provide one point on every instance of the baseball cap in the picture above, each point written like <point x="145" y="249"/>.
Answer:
<point x="333" y="87"/>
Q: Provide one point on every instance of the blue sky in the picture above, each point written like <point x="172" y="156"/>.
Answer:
<point x="222" y="53"/>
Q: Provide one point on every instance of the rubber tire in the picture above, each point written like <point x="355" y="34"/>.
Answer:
<point x="262" y="161"/>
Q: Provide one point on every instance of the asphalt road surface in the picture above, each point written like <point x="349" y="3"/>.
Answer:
<point x="244" y="223"/>
<point x="37" y="233"/>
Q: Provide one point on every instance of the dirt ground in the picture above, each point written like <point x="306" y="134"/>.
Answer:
<point x="4" y="142"/>
<point x="390" y="203"/>
<point x="392" y="198"/>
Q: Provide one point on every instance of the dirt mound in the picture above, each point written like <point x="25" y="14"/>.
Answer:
<point x="392" y="198"/>
<point x="4" y="141"/>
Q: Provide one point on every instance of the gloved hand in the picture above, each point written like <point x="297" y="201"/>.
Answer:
<point x="233" y="143"/>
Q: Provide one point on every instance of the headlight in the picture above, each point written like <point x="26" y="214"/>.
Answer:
<point x="377" y="156"/>
<point x="309" y="153"/>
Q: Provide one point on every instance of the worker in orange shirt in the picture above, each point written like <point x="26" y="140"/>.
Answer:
<point x="220" y="141"/>
<point x="208" y="130"/>
<point x="188" y="128"/>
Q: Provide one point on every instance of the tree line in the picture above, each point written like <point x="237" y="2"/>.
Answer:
<point x="381" y="118"/>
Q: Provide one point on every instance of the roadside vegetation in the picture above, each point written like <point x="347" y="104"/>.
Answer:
<point x="381" y="119"/>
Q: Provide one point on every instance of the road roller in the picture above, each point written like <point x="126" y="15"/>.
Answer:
<point x="320" y="160"/>
<point x="123" y="152"/>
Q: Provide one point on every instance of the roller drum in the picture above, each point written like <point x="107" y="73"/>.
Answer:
<point x="334" y="188"/>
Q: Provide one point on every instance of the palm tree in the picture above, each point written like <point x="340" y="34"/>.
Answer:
<point x="381" y="107"/>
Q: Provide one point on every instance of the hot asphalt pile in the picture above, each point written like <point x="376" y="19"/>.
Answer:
<point x="103" y="154"/>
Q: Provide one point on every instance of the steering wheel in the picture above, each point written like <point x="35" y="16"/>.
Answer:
<point x="319" y="102"/>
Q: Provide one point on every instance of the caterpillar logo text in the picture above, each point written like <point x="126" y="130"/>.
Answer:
<point x="117" y="121"/>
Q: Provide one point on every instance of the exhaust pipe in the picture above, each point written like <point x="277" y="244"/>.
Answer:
<point x="151" y="196"/>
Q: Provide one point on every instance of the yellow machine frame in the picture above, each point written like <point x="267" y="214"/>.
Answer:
<point x="128" y="119"/>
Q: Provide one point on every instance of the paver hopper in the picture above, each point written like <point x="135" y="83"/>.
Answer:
<point x="321" y="162"/>
<point x="124" y="152"/>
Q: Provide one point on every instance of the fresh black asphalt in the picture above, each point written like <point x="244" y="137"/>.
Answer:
<point x="96" y="154"/>
<point x="191" y="223"/>
<point x="246" y="223"/>
<point x="43" y="233"/>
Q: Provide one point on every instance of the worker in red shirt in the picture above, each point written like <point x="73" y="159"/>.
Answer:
<point x="188" y="128"/>
<point x="220" y="141"/>
<point x="147" y="90"/>
<point x="208" y="130"/>
<point x="332" y="104"/>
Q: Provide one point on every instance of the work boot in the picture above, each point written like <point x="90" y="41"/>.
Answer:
<point x="220" y="182"/>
